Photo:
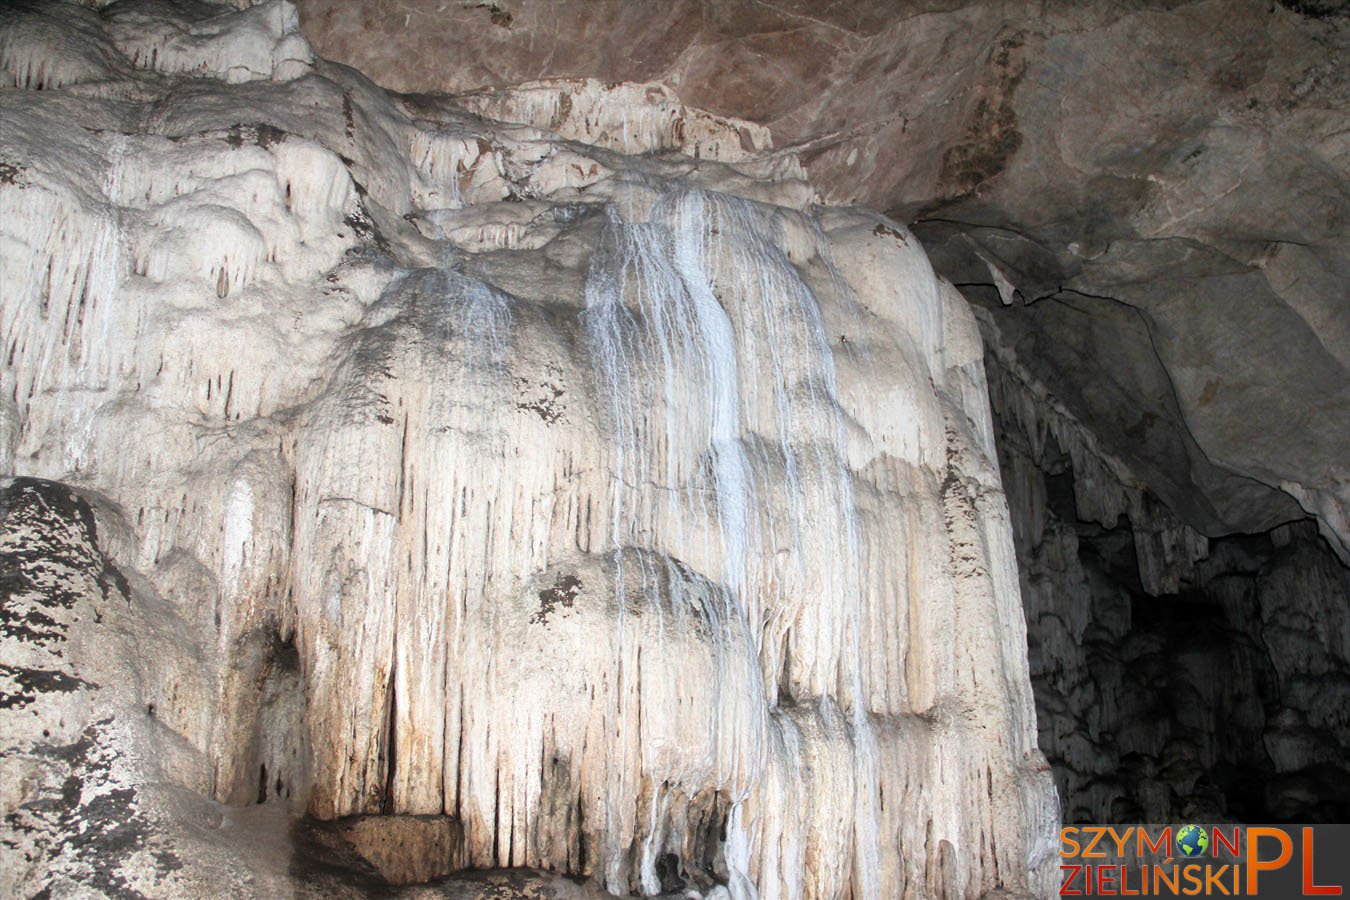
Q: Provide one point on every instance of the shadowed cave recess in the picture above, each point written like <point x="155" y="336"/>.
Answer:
<point x="711" y="449"/>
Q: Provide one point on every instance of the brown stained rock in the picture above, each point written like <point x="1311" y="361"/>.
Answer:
<point x="405" y="849"/>
<point x="992" y="138"/>
<point x="847" y="75"/>
<point x="517" y="884"/>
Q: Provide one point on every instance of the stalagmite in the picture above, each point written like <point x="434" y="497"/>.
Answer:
<point x="583" y="484"/>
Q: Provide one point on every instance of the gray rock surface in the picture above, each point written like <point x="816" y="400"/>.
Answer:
<point x="93" y="802"/>
<point x="1177" y="678"/>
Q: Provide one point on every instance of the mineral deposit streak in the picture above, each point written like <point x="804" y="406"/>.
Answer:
<point x="709" y="342"/>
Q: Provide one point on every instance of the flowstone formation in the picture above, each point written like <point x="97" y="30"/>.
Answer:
<point x="1109" y="170"/>
<point x="1152" y="224"/>
<point x="533" y="480"/>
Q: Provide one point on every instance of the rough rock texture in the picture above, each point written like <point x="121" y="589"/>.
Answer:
<point x="1177" y="679"/>
<point x="94" y="795"/>
<point x="1159" y="189"/>
<point x="575" y="492"/>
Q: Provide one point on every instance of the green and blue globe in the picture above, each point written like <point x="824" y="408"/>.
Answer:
<point x="1192" y="840"/>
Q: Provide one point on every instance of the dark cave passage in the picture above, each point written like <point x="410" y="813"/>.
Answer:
<point x="1224" y="698"/>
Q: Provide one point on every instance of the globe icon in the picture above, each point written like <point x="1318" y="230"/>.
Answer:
<point x="1192" y="840"/>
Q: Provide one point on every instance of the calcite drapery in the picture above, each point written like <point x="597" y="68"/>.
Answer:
<point x="629" y="509"/>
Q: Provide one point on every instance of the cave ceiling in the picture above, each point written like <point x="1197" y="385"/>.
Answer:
<point x="1149" y="198"/>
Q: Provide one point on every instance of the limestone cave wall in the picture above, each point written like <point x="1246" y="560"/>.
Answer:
<point x="1177" y="678"/>
<point x="728" y="450"/>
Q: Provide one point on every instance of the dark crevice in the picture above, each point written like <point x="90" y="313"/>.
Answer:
<point x="1222" y="700"/>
